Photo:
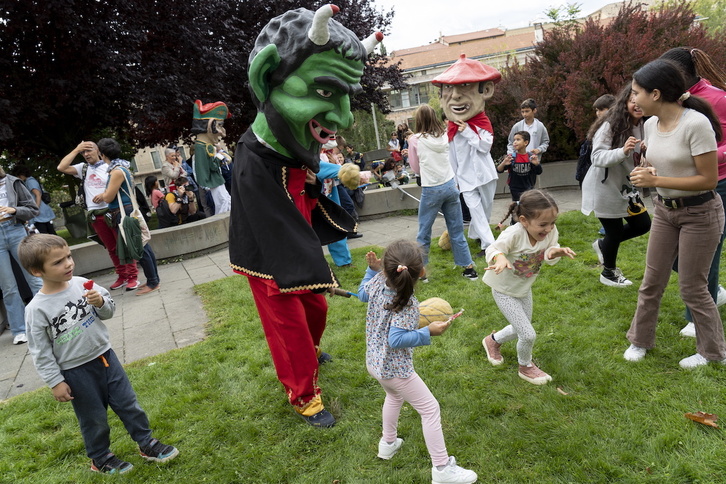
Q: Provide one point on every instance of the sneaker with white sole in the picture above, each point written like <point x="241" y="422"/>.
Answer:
<point x="386" y="450"/>
<point x="598" y="251"/>
<point x="120" y="282"/>
<point x="634" y="353"/>
<point x="533" y="374"/>
<point x="693" y="361"/>
<point x="132" y="284"/>
<point x="470" y="273"/>
<point x="492" y="348"/>
<point x="20" y="339"/>
<point x="721" y="296"/>
<point x="614" y="278"/>
<point x="689" y="330"/>
<point x="452" y="474"/>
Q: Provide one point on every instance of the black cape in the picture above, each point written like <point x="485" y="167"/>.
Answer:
<point x="268" y="236"/>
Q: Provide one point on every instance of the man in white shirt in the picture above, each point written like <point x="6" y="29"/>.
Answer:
<point x="94" y="183"/>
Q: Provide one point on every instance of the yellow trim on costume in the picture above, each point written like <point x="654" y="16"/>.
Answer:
<point x="312" y="407"/>
<point x="283" y="172"/>
<point x="330" y="220"/>
<point x="310" y="287"/>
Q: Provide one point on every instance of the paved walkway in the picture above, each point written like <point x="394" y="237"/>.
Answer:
<point x="173" y="317"/>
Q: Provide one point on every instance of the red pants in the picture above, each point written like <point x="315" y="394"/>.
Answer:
<point x="108" y="237"/>
<point x="293" y="324"/>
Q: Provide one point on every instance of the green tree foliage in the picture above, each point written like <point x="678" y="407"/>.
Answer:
<point x="575" y="64"/>
<point x="362" y="135"/>
<point x="73" y="69"/>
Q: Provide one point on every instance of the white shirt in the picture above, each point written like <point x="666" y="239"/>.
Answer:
<point x="95" y="184"/>
<point x="4" y="198"/>
<point x="470" y="158"/>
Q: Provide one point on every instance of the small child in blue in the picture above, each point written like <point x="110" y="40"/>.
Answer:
<point x="515" y="259"/>
<point x="72" y="353"/>
<point x="392" y="332"/>
<point x="523" y="166"/>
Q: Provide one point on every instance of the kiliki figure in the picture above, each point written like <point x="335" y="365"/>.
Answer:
<point x="208" y="125"/>
<point x="465" y="88"/>
<point x="303" y="70"/>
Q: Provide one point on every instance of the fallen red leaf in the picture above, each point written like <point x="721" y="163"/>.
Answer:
<point x="703" y="418"/>
<point x="88" y="285"/>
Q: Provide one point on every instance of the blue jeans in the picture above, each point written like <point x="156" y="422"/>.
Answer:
<point x="95" y="387"/>
<point x="444" y="198"/>
<point x="11" y="234"/>
<point x="148" y="265"/>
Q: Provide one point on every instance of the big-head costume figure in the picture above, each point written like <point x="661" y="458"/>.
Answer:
<point x="302" y="71"/>
<point x="208" y="125"/>
<point x="465" y="88"/>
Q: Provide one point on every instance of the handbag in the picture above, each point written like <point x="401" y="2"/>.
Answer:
<point x="135" y="213"/>
<point x="635" y="204"/>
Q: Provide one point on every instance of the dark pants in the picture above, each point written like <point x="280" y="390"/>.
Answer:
<point x="95" y="386"/>
<point x="617" y="232"/>
<point x="346" y="202"/>
<point x="45" y="227"/>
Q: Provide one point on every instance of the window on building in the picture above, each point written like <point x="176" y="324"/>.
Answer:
<point x="156" y="158"/>
<point x="411" y="97"/>
<point x="134" y="165"/>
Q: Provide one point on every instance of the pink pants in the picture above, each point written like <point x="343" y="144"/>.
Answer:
<point x="414" y="391"/>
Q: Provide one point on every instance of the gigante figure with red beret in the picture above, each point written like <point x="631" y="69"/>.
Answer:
<point x="465" y="88"/>
<point x="302" y="71"/>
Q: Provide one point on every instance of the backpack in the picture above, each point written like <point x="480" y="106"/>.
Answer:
<point x="164" y="215"/>
<point x="44" y="196"/>
<point x="583" y="162"/>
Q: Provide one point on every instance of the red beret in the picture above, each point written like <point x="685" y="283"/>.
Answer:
<point x="466" y="71"/>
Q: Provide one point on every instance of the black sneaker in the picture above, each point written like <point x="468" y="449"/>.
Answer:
<point x="323" y="419"/>
<point x="111" y="465"/>
<point x="324" y="358"/>
<point x="614" y="278"/>
<point x="470" y="273"/>
<point x="158" y="452"/>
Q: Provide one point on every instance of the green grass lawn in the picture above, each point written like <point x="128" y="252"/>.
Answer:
<point x="602" y="419"/>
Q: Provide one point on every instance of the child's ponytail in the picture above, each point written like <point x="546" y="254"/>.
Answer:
<point x="531" y="204"/>
<point x="402" y="265"/>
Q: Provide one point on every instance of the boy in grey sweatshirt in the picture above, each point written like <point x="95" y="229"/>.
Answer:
<point x="72" y="353"/>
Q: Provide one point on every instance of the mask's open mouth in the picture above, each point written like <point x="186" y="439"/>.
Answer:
<point x="321" y="134"/>
<point x="460" y="108"/>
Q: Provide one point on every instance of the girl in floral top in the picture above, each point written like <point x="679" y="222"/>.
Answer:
<point x="514" y="263"/>
<point x="391" y="333"/>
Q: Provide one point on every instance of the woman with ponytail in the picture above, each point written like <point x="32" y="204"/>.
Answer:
<point x="681" y="164"/>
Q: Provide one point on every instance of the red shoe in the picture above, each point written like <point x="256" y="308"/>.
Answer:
<point x="120" y="282"/>
<point x="132" y="284"/>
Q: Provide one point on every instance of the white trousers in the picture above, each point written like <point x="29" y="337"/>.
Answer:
<point x="480" y="202"/>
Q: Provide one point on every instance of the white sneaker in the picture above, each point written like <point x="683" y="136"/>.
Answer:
<point x="634" y="353"/>
<point x="721" y="296"/>
<point x="693" y="361"/>
<point x="386" y="450"/>
<point x="689" y="330"/>
<point x="452" y="474"/>
<point x="20" y="339"/>
<point x="598" y="251"/>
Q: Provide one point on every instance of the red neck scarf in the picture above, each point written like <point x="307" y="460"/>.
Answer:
<point x="479" y="121"/>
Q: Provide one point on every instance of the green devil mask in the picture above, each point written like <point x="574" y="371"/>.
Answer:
<point x="302" y="72"/>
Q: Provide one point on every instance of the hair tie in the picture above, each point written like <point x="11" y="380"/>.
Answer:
<point x="684" y="96"/>
<point x="401" y="268"/>
<point x="517" y="202"/>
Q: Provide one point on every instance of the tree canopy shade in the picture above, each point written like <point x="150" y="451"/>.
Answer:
<point x="72" y="69"/>
<point x="575" y="64"/>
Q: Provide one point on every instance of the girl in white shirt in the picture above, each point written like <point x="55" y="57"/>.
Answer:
<point x="515" y="259"/>
<point x="680" y="141"/>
